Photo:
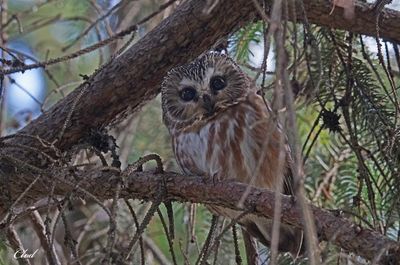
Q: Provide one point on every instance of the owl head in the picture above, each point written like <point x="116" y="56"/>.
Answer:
<point x="202" y="89"/>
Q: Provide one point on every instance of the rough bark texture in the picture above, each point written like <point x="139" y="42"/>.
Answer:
<point x="134" y="77"/>
<point x="364" y="21"/>
<point x="151" y="186"/>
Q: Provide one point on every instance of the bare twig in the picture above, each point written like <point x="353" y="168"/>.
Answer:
<point x="142" y="227"/>
<point x="168" y="235"/>
<point x="157" y="253"/>
<point x="16" y="244"/>
<point x="86" y="31"/>
<point x="251" y="248"/>
<point x="206" y="249"/>
<point x="40" y="230"/>
<point x="136" y="221"/>
<point x="238" y="258"/>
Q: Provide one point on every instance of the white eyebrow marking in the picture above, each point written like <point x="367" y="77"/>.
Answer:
<point x="187" y="82"/>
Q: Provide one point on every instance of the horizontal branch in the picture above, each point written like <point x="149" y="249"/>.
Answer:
<point x="171" y="186"/>
<point x="132" y="79"/>
<point x="364" y="20"/>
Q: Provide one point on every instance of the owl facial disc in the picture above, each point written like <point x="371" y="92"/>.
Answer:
<point x="202" y="89"/>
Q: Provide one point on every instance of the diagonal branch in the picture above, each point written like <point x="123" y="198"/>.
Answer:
<point x="130" y="80"/>
<point x="133" y="78"/>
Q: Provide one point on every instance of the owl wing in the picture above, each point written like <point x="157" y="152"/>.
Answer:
<point x="276" y="149"/>
<point x="275" y="154"/>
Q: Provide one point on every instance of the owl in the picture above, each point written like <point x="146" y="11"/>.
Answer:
<point x="221" y="128"/>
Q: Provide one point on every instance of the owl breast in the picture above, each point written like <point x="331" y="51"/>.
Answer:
<point x="239" y="143"/>
<point x="242" y="143"/>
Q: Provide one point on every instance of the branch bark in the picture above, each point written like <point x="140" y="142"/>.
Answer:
<point x="151" y="186"/>
<point x="133" y="78"/>
<point x="364" y="21"/>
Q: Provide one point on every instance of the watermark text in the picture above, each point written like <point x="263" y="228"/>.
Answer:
<point x="24" y="254"/>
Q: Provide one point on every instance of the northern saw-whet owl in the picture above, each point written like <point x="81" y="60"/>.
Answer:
<point x="222" y="129"/>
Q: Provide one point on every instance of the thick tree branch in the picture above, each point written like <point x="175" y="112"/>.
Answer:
<point x="364" y="21"/>
<point x="133" y="78"/>
<point x="171" y="186"/>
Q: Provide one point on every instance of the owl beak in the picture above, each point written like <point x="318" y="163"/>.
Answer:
<point x="208" y="104"/>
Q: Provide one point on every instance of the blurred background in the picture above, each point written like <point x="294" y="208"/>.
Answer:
<point x="36" y="31"/>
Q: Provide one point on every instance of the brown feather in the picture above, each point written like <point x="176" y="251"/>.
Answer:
<point x="239" y="141"/>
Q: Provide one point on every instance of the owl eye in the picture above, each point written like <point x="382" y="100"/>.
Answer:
<point x="188" y="93"/>
<point x="217" y="83"/>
